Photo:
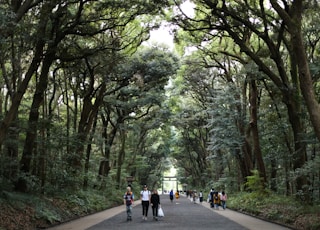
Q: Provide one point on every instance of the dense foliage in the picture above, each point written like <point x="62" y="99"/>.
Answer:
<point x="77" y="100"/>
<point x="86" y="106"/>
<point x="251" y="80"/>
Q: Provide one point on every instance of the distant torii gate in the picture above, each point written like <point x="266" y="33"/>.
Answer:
<point x="169" y="178"/>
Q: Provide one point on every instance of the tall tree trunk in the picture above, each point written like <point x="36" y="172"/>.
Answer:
<point x="254" y="129"/>
<point x="31" y="134"/>
<point x="68" y="118"/>
<point x="244" y="156"/>
<point x="104" y="166"/>
<point x="88" y="154"/>
<point x="16" y="100"/>
<point x="88" y="114"/>
<point x="43" y="150"/>
<point x="294" y="24"/>
<point x="121" y="155"/>
<point x="20" y="11"/>
<point x="11" y="150"/>
<point x="293" y="21"/>
<point x="298" y="157"/>
<point x="10" y="84"/>
<point x="273" y="175"/>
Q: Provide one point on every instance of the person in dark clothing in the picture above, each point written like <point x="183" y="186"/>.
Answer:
<point x="211" y="197"/>
<point x="171" y="195"/>
<point x="155" y="202"/>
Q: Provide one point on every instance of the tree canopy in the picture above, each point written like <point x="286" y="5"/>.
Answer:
<point x="85" y="104"/>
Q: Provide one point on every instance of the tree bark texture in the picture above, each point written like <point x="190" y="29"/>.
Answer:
<point x="254" y="129"/>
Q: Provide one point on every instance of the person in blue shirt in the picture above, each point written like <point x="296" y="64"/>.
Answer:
<point x="171" y="195"/>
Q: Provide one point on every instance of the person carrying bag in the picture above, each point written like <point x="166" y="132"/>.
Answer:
<point x="155" y="203"/>
<point x="160" y="212"/>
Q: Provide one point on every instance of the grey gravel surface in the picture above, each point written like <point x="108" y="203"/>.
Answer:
<point x="179" y="214"/>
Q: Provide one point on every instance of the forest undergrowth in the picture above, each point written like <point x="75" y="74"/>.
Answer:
<point x="287" y="211"/>
<point x="28" y="212"/>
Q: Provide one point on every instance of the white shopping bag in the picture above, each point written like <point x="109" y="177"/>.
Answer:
<point x="160" y="212"/>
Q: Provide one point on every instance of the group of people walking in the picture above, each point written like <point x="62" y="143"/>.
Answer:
<point x="217" y="199"/>
<point x="147" y="198"/>
<point x="177" y="195"/>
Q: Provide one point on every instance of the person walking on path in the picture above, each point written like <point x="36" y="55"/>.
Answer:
<point x="177" y="194"/>
<point x="155" y="203"/>
<point x="200" y="197"/>
<point x="145" y="196"/>
<point x="128" y="202"/>
<point x="194" y="196"/>
<point x="223" y="199"/>
<point x="216" y="200"/>
<point x="171" y="195"/>
<point x="211" y="198"/>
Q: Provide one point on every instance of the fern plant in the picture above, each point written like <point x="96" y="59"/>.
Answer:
<point x="255" y="184"/>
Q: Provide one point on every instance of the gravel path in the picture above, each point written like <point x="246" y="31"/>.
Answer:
<point x="181" y="214"/>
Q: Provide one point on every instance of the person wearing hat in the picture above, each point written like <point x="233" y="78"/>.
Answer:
<point x="145" y="196"/>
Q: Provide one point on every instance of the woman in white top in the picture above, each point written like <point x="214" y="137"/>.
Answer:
<point x="145" y="196"/>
